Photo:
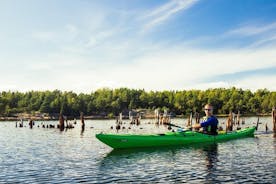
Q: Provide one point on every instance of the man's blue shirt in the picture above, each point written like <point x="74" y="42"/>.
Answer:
<point x="211" y="121"/>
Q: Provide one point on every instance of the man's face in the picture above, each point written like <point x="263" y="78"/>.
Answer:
<point x="208" y="110"/>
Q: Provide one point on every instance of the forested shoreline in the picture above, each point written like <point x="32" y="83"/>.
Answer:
<point x="107" y="102"/>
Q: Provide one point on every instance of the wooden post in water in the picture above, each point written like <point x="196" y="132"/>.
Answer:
<point x="139" y="118"/>
<point x="31" y="123"/>
<point x="130" y="116"/>
<point x="61" y="122"/>
<point x="229" y="124"/>
<point x="66" y="121"/>
<point x="197" y="118"/>
<point x="238" y="121"/>
<point x="257" y="125"/>
<point x="190" y="119"/>
<point x="82" y="121"/>
<point x="21" y="124"/>
<point x="121" y="118"/>
<point x="274" y="120"/>
<point x="238" y="118"/>
<point x="156" y="116"/>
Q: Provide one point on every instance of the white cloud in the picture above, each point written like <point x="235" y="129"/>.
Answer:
<point x="266" y="40"/>
<point x="257" y="82"/>
<point x="252" y="83"/>
<point x="262" y="34"/>
<point x="173" y="69"/>
<point x="163" y="13"/>
<point x="250" y="30"/>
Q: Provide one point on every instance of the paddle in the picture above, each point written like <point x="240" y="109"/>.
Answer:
<point x="173" y="125"/>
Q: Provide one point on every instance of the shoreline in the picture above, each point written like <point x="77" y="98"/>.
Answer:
<point x="98" y="117"/>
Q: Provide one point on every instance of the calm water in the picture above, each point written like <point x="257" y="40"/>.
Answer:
<point x="41" y="155"/>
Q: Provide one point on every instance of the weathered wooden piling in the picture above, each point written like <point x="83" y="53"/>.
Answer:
<point x="274" y="120"/>
<point x="257" y="125"/>
<point x="229" y="124"/>
<point x="160" y="119"/>
<point x="238" y="118"/>
<point x="82" y="121"/>
<point x="156" y="116"/>
<point x="21" y="124"/>
<point x="31" y="123"/>
<point x="118" y="127"/>
<point x="130" y="116"/>
<point x="190" y="120"/>
<point x="66" y="121"/>
<point x="121" y="118"/>
<point x="61" y="122"/>
<point x="138" y="120"/>
<point x="197" y="117"/>
<point x="243" y="121"/>
<point x="165" y="118"/>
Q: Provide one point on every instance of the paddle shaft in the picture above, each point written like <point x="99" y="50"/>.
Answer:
<point x="174" y="125"/>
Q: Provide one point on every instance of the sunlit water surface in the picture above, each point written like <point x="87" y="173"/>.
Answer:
<point x="42" y="155"/>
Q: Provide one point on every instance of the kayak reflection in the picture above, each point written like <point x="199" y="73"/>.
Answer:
<point x="208" y="150"/>
<point x="162" y="164"/>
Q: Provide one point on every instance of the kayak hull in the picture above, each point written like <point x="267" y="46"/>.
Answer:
<point x="118" y="141"/>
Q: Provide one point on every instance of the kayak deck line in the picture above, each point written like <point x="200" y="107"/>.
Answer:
<point x="170" y="138"/>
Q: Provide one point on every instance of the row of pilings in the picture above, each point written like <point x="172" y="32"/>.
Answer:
<point x="233" y="119"/>
<point x="61" y="122"/>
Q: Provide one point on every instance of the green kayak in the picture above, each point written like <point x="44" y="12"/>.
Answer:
<point x="170" y="138"/>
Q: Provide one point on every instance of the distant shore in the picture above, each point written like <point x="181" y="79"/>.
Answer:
<point x="100" y="117"/>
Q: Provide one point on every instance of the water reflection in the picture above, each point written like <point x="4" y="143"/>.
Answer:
<point x="121" y="152"/>
<point x="198" y="162"/>
<point x="211" y="160"/>
<point x="82" y="131"/>
<point x="119" y="156"/>
<point x="211" y="152"/>
<point x="124" y="164"/>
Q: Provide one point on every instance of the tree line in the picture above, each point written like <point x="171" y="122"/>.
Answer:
<point x="110" y="102"/>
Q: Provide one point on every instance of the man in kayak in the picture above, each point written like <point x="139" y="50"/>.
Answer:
<point x="209" y="123"/>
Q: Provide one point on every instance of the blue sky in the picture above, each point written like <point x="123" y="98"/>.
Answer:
<point x="83" y="45"/>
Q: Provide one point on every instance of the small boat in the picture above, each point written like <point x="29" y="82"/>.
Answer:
<point x="118" y="141"/>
